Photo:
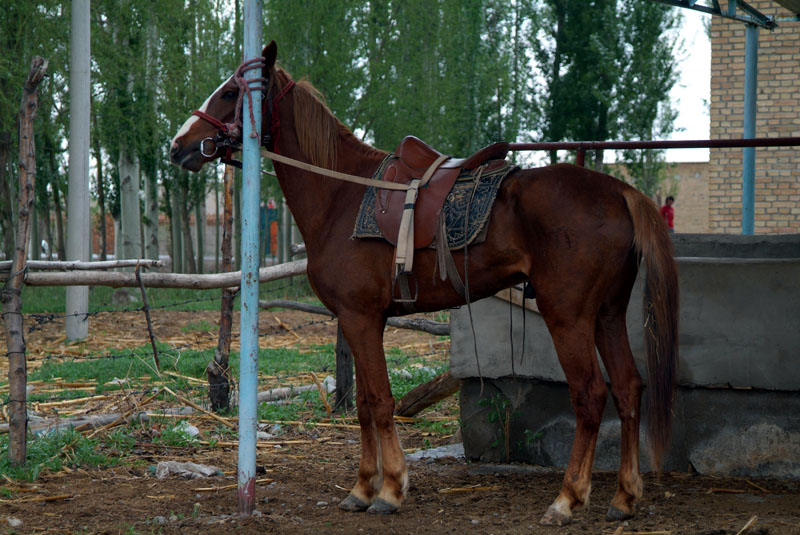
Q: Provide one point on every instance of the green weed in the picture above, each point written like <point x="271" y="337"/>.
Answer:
<point x="51" y="452"/>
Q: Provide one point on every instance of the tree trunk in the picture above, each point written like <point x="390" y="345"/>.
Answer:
<point x="175" y="230"/>
<point x="101" y="187"/>
<point x="151" y="217"/>
<point x="11" y="293"/>
<point x="62" y="246"/>
<point x="188" y="246"/>
<point x="48" y="229"/>
<point x="217" y="243"/>
<point x="219" y="376"/>
<point x="7" y="193"/>
<point x="237" y="217"/>
<point x="151" y="173"/>
<point x="36" y="239"/>
<point x="200" y="224"/>
<point x="130" y="216"/>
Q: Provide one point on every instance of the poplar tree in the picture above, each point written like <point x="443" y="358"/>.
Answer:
<point x="608" y="67"/>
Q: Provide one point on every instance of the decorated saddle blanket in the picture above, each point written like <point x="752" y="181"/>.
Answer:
<point x="466" y="210"/>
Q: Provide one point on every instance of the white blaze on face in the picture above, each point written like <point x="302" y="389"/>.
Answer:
<point x="191" y="120"/>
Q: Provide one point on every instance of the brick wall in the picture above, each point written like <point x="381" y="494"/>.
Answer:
<point x="688" y="183"/>
<point x="777" y="179"/>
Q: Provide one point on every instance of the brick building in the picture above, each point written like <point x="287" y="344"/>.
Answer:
<point x="777" y="178"/>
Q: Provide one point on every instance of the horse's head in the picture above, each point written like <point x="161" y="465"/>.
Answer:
<point x="214" y="130"/>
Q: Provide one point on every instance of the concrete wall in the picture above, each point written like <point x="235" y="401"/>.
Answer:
<point x="739" y="365"/>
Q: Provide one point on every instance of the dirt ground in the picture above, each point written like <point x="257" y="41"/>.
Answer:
<point x="305" y="472"/>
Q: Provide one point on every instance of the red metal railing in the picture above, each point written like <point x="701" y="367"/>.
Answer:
<point x="582" y="146"/>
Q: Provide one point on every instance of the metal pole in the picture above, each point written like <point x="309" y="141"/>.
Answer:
<point x="76" y="322"/>
<point x="251" y="175"/>
<point x="749" y="153"/>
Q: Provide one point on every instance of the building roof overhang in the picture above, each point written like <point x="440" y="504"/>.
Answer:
<point x="739" y="10"/>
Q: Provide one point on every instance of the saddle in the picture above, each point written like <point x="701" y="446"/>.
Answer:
<point x="416" y="160"/>
<point x="410" y="220"/>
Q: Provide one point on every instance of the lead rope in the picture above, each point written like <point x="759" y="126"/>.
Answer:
<point x="245" y="87"/>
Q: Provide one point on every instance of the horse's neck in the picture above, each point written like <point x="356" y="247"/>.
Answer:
<point x="317" y="202"/>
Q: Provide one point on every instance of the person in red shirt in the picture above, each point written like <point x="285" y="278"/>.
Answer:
<point x="668" y="213"/>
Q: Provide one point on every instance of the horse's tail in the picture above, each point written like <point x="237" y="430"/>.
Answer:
<point x="651" y="240"/>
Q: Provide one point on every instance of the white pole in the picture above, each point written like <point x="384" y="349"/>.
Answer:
<point x="77" y="323"/>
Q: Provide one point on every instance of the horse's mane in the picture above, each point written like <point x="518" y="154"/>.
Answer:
<point x="318" y="130"/>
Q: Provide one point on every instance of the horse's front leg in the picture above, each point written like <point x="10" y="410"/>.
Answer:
<point x="382" y="475"/>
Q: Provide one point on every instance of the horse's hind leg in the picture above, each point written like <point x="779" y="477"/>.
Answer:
<point x="626" y="388"/>
<point x="573" y="338"/>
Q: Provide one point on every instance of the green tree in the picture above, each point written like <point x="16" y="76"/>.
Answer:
<point x="608" y="67"/>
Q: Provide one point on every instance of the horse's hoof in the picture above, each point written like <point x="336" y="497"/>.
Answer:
<point x="382" y="507"/>
<point x="351" y="504"/>
<point x="554" y="517"/>
<point x="614" y="514"/>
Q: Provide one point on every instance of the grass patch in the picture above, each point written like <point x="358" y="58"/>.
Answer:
<point x="202" y="325"/>
<point x="53" y="451"/>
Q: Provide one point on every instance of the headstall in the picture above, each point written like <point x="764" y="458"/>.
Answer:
<point x="229" y="135"/>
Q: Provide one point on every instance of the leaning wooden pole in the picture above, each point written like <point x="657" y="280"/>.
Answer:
<point x="11" y="294"/>
<point x="219" y="376"/>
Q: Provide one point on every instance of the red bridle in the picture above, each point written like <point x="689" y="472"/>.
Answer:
<point x="230" y="134"/>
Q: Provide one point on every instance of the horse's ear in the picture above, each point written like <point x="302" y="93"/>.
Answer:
<point x="269" y="53"/>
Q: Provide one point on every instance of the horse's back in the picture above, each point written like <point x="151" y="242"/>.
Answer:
<point x="566" y="198"/>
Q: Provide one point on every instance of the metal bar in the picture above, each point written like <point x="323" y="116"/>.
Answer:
<point x="248" y="357"/>
<point x="759" y="17"/>
<point x="667" y="144"/>
<point x="749" y="153"/>
<point x="753" y="15"/>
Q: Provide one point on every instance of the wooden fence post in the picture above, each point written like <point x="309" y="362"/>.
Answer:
<point x="344" y="373"/>
<point x="219" y="375"/>
<point x="12" y="292"/>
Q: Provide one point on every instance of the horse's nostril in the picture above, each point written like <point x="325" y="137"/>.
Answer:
<point x="174" y="148"/>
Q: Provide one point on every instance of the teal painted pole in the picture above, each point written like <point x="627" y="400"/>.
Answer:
<point x="749" y="153"/>
<point x="248" y="356"/>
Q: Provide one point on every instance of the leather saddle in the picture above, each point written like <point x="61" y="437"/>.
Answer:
<point x="416" y="160"/>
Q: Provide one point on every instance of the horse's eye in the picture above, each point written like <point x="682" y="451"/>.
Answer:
<point x="230" y="94"/>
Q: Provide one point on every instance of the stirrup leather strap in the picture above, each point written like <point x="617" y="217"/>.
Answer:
<point x="404" y="261"/>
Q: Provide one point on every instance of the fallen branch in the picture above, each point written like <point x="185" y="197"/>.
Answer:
<point x="41" y="499"/>
<point x="750" y="523"/>
<point x="322" y="393"/>
<point x="426" y="394"/>
<point x="124" y="417"/>
<point x="230" y="487"/>
<point x="286" y="392"/>
<point x="197" y="407"/>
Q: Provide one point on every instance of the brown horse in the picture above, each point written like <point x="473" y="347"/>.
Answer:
<point x="575" y="235"/>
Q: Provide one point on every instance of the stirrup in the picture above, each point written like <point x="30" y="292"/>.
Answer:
<point x="401" y="282"/>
